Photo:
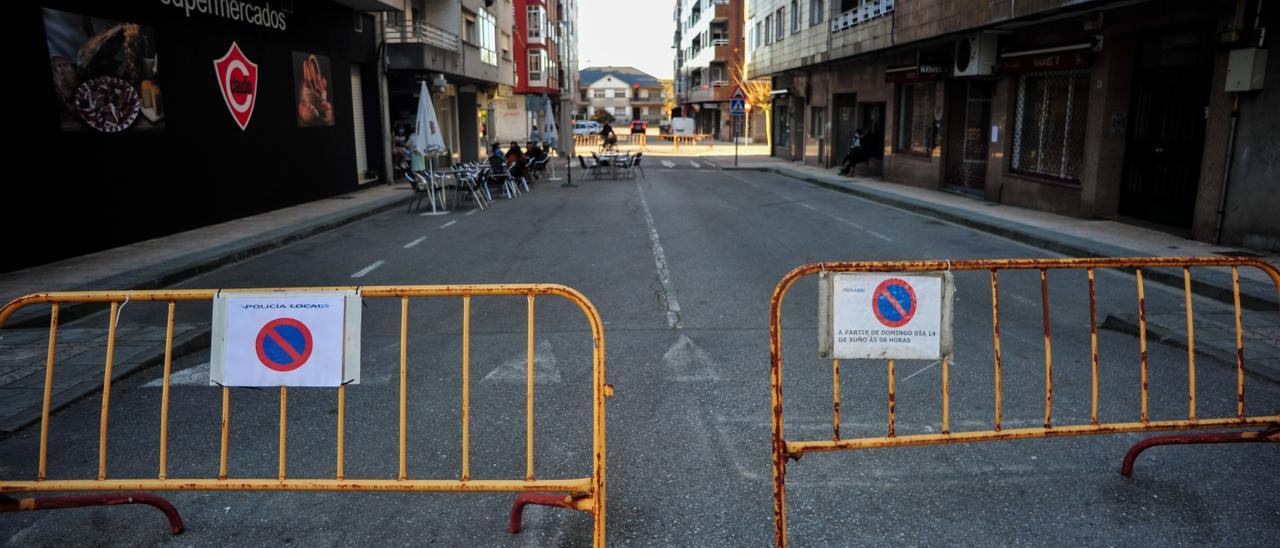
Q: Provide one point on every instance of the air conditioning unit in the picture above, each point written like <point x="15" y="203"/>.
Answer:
<point x="976" y="55"/>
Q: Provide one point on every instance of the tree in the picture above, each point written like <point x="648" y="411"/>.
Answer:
<point x="602" y="116"/>
<point x="758" y="93"/>
<point x="668" y="97"/>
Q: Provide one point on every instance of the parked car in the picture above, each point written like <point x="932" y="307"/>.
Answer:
<point x="586" y="127"/>
<point x="638" y="127"/>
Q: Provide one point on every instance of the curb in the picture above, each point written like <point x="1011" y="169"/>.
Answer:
<point x="186" y="344"/>
<point x="1173" y="339"/>
<point x="176" y="270"/>
<point x="1220" y="289"/>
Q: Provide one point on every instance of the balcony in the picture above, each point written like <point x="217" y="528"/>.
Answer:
<point x="868" y="11"/>
<point x="422" y="33"/>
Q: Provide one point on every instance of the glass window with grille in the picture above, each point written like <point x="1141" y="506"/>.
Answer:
<point x="818" y="128"/>
<point x="1048" y="135"/>
<point x="915" y="118"/>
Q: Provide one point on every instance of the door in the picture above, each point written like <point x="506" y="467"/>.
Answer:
<point x="1166" y="132"/>
<point x="846" y="122"/>
<point x="968" y="135"/>
<point x="873" y="136"/>
<point x="357" y="116"/>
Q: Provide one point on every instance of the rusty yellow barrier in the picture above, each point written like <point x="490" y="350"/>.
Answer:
<point x="586" y="494"/>
<point x="784" y="449"/>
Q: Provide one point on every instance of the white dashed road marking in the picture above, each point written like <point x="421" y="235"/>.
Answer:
<point x="415" y="242"/>
<point x="694" y="164"/>
<point x="368" y="269"/>
<point x="668" y="164"/>
<point x="448" y="224"/>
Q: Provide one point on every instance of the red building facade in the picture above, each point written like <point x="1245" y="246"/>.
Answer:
<point x="536" y="47"/>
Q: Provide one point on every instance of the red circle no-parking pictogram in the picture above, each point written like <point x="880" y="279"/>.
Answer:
<point x="284" y="344"/>
<point x="894" y="302"/>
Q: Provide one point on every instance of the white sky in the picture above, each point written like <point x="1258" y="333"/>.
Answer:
<point x="635" y="33"/>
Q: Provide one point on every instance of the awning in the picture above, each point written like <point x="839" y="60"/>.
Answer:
<point x="1075" y="56"/>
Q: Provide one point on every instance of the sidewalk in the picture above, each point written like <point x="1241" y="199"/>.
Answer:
<point x="145" y="265"/>
<point x="1215" y="333"/>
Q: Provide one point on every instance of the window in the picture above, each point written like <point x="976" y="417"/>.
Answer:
<point x="597" y="93"/>
<point x="818" y="128"/>
<point x="488" y="38"/>
<point x="759" y="33"/>
<point x="1048" y="136"/>
<point x="817" y="9"/>
<point x="469" y="27"/>
<point x="768" y="29"/>
<point x="915" y="118"/>
<point x="506" y="46"/>
<point x="535" y="22"/>
<point x="779" y="20"/>
<point x="536" y="65"/>
<point x="795" y="16"/>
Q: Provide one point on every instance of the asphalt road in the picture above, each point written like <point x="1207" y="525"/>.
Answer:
<point x="681" y="265"/>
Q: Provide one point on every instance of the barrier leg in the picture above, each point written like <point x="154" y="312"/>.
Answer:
<point x="8" y="504"/>
<point x="540" y="499"/>
<point x="1269" y="435"/>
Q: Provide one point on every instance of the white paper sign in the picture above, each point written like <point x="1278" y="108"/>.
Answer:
<point x="885" y="316"/>
<point x="286" y="339"/>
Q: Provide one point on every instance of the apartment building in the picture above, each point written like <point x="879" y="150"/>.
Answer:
<point x="625" y="93"/>
<point x="1153" y="112"/>
<point x="545" y="42"/>
<point x="709" y="43"/>
<point x="463" y="50"/>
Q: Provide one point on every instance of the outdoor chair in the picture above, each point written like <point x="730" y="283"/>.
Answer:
<point x="590" y="169"/>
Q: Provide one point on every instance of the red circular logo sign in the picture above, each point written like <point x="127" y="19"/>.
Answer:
<point x="894" y="302"/>
<point x="284" y="344"/>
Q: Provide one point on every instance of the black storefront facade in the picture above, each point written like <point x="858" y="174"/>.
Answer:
<point x="136" y="119"/>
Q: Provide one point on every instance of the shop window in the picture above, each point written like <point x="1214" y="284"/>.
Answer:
<point x="915" y="118"/>
<point x="1048" y="136"/>
<point x="818" y="128"/>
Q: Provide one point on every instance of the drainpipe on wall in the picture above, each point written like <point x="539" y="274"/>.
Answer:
<point x="1231" y="139"/>
<point x="384" y="105"/>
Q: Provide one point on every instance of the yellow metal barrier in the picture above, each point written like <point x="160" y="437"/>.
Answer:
<point x="638" y="139"/>
<point x="586" y="494"/>
<point x="784" y="449"/>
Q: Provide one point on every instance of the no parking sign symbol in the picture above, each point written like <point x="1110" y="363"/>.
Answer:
<point x="869" y="315"/>
<point x="286" y="339"/>
<point x="284" y="344"/>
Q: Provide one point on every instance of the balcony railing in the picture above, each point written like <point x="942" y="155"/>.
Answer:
<point x="868" y="11"/>
<point x="719" y="41"/>
<point x="422" y="33"/>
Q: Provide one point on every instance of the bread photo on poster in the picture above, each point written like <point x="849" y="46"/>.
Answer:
<point x="311" y="77"/>
<point x="105" y="73"/>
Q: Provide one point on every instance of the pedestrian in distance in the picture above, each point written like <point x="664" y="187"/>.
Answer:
<point x="534" y="136"/>
<point x="609" y="138"/>
<point x="854" y="156"/>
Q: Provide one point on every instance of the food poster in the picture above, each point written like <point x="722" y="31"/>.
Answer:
<point x="104" y="73"/>
<point x="311" y="85"/>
